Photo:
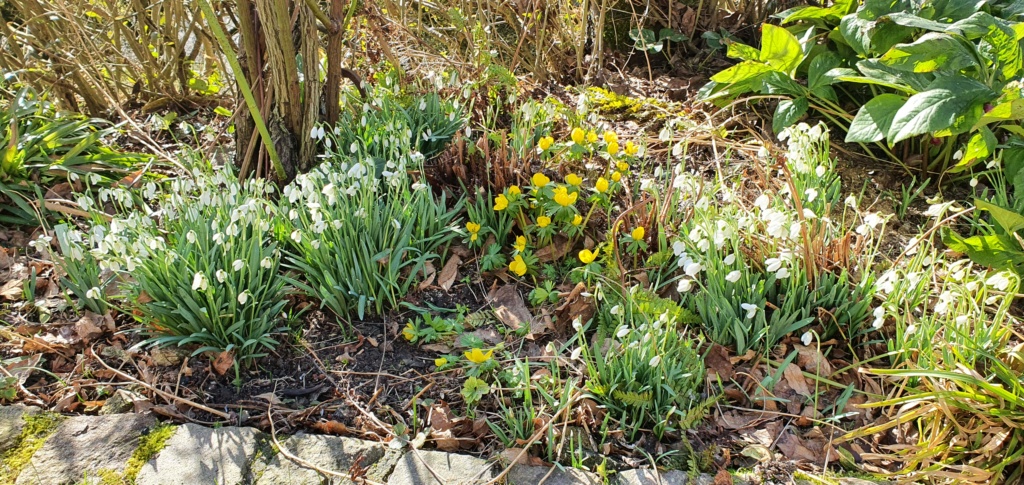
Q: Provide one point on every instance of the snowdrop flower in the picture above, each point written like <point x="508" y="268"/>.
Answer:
<point x="221" y="275"/>
<point x="733" y="276"/>
<point x="762" y="201"/>
<point x="851" y="201"/>
<point x="93" y="293"/>
<point x="616" y="310"/>
<point x="730" y="259"/>
<point x="750" y="309"/>
<point x="998" y="281"/>
<point x="942" y="307"/>
<point x="577" y="324"/>
<point x="961" y="320"/>
<point x="238" y="265"/>
<point x="809" y="214"/>
<point x="243" y="297"/>
<point x="678" y="248"/>
<point x="811" y="194"/>
<point x="820" y="171"/>
<point x="622" y="331"/>
<point x="782" y="273"/>
<point x="266" y="263"/>
<point x="958" y="155"/>
<point x="692" y="269"/>
<point x="685" y="285"/>
<point x="296" y="236"/>
<point x="879" y="314"/>
<point x="655" y="361"/>
<point x="199" y="282"/>
<point x="974" y="181"/>
<point x="576" y="353"/>
<point x="807" y="338"/>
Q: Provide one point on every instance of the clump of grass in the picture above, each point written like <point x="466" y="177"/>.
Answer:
<point x="38" y="427"/>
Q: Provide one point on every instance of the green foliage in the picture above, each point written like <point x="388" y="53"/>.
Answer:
<point x="1000" y="249"/>
<point x="81" y="268"/>
<point x="474" y="389"/>
<point x="645" y="370"/>
<point x="648" y="40"/>
<point x="38" y="428"/>
<point x="946" y="71"/>
<point x="41" y="147"/>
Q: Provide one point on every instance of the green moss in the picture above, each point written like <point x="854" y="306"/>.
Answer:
<point x="38" y="427"/>
<point x="149" y="445"/>
<point x="643" y="109"/>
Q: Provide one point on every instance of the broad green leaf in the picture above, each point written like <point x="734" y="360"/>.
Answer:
<point x="931" y="52"/>
<point x="780" y="49"/>
<point x="778" y="83"/>
<point x="743" y="71"/>
<point x="910" y="20"/>
<point x="645" y="40"/>
<point x="788" y="112"/>
<point x="1012" y="110"/>
<point x="739" y="50"/>
<point x="857" y="33"/>
<point x="819" y="67"/>
<point x="955" y="9"/>
<point x="873" y="9"/>
<point x="997" y="251"/>
<point x="875" y="69"/>
<point x="979" y="147"/>
<point x="874" y="118"/>
<point x="671" y="35"/>
<point x="939" y="107"/>
<point x="1009" y="220"/>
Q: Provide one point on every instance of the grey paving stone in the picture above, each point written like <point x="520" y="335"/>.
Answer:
<point x="196" y="455"/>
<point x="82" y="446"/>
<point x="328" y="452"/>
<point x="532" y="475"/>
<point x="12" y="421"/>
<point x="415" y="468"/>
<point x="647" y="476"/>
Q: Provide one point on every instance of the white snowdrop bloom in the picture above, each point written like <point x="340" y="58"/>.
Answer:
<point x="811" y="194"/>
<point x="730" y="259"/>
<point x="266" y="263"/>
<point x="315" y="244"/>
<point x="972" y="285"/>
<point x="851" y="201"/>
<point x="655" y="361"/>
<point x="238" y="265"/>
<point x="733" y="276"/>
<point x="762" y="201"/>
<point x="678" y="248"/>
<point x="703" y="245"/>
<point x="616" y="310"/>
<point x="243" y="297"/>
<point x="751" y="309"/>
<point x="42" y="243"/>
<point x="998" y="281"/>
<point x="809" y="214"/>
<point x="776" y="224"/>
<point x="576" y="353"/>
<point x="93" y="293"/>
<point x="419" y="186"/>
<point x="696" y="234"/>
<point x="685" y="285"/>
<point x="961" y="320"/>
<point x="692" y="269"/>
<point x="762" y="152"/>
<point x="879" y="314"/>
<point x="974" y="181"/>
<point x="772" y="264"/>
<point x="218" y="238"/>
<point x="296" y="236"/>
<point x="958" y="155"/>
<point x="782" y="273"/>
<point x="794" y="230"/>
<point x="622" y="331"/>
<point x="221" y="275"/>
<point x="942" y="306"/>
<point x="807" y="338"/>
<point x="199" y="282"/>
<point x="820" y="171"/>
<point x="936" y="210"/>
<point x="577" y="324"/>
<point x="423" y="104"/>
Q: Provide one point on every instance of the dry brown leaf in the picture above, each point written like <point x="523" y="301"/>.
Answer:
<point x="723" y="477"/>
<point x="516" y="456"/>
<point x="269" y="397"/>
<point x="223" y="362"/>
<point x="429" y="274"/>
<point x="509" y="307"/>
<point x="794" y="448"/>
<point x="575" y="306"/>
<point x="449" y="273"/>
<point x="717" y="362"/>
<point x="813" y="361"/>
<point x="13" y="290"/>
<point x="88" y="327"/>
<point x="559" y="247"/>
<point x="795" y="379"/>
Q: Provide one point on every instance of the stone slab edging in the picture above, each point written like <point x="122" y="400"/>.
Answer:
<point x="101" y="449"/>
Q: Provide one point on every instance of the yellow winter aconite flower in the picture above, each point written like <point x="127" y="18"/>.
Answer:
<point x="514" y="190"/>
<point x="545" y="143"/>
<point x="543" y="221"/>
<point x="478" y="356"/>
<point x="622" y="166"/>
<point x="601" y="185"/>
<point x="573" y="179"/>
<point x="564" y="198"/>
<point x="591" y="136"/>
<point x="611" y="137"/>
<point x="630" y="149"/>
<point x="520" y="244"/>
<point x="577" y="135"/>
<point x="577" y="220"/>
<point x="517" y="266"/>
<point x="500" y="202"/>
<point x="637" y="233"/>
<point x="616" y="176"/>
<point x="613" y="148"/>
<point x="473" y="229"/>
<point x="539" y="180"/>
<point x="440" y="361"/>
<point x="587" y="256"/>
<point x="409" y="332"/>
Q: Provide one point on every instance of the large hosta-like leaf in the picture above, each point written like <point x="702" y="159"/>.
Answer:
<point x="939" y="107"/>
<point x="874" y="118"/>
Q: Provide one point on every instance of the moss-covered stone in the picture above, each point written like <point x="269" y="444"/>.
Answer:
<point x="38" y="427"/>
